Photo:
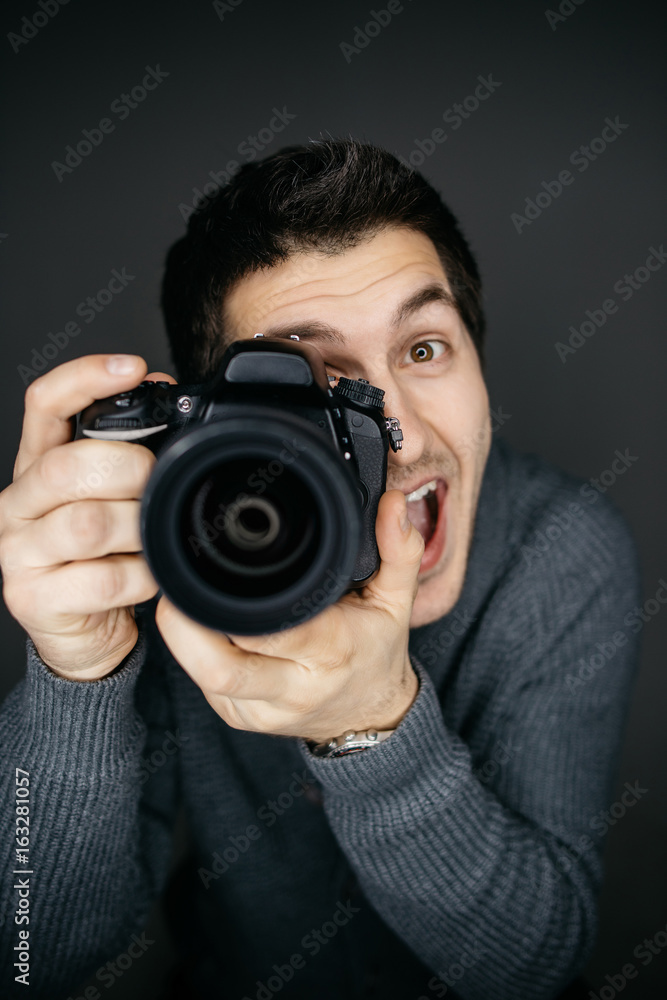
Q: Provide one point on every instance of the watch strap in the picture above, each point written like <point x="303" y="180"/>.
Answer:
<point x="351" y="742"/>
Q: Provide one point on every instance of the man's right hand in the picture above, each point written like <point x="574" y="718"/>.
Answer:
<point x="70" y="549"/>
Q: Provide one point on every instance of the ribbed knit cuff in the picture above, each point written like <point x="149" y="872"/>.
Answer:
<point x="72" y="728"/>
<point x="420" y="747"/>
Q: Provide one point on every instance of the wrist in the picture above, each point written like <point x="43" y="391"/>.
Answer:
<point x="111" y="664"/>
<point x="389" y="711"/>
<point x="395" y="703"/>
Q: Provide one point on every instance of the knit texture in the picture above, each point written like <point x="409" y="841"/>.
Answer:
<point x="460" y="855"/>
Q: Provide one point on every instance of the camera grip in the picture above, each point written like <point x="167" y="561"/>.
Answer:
<point x="139" y="414"/>
<point x="371" y="456"/>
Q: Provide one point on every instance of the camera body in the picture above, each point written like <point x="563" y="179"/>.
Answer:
<point x="260" y="511"/>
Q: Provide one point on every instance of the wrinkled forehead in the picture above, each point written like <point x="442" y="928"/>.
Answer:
<point x="371" y="279"/>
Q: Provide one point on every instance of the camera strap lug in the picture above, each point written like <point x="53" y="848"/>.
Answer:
<point x="395" y="433"/>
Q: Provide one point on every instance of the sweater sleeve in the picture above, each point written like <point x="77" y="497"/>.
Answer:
<point x="485" y="857"/>
<point x="99" y="831"/>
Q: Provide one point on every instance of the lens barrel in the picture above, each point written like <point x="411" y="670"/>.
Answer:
<point x="251" y="524"/>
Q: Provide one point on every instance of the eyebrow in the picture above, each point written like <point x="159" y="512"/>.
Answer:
<point x="307" y="331"/>
<point x="433" y="293"/>
<point x="424" y="297"/>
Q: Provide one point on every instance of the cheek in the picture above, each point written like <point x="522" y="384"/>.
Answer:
<point x="458" y="411"/>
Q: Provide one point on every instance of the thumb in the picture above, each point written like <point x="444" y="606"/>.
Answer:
<point x="401" y="549"/>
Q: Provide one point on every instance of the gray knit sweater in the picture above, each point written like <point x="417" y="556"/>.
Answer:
<point x="459" y="858"/>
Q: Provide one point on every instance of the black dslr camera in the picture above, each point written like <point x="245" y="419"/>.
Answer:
<point x="260" y="511"/>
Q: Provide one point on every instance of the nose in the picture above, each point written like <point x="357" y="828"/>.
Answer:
<point x="416" y="432"/>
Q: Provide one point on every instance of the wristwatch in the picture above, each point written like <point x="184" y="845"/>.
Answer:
<point x="350" y="742"/>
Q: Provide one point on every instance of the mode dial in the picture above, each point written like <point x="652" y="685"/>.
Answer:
<point x="360" y="391"/>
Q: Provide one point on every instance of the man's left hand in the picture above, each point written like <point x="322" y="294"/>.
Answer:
<point x="346" y="668"/>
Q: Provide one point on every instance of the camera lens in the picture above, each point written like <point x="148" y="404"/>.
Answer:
<point x="251" y="544"/>
<point x="252" y="523"/>
<point x="254" y="526"/>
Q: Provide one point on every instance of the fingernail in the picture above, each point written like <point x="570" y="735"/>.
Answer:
<point x="121" y="364"/>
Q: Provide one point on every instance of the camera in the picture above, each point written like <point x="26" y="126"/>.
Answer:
<point x="260" y="510"/>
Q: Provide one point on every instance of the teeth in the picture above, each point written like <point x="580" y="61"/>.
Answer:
<point x="422" y="491"/>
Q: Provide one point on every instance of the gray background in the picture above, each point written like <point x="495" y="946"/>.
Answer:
<point x="119" y="208"/>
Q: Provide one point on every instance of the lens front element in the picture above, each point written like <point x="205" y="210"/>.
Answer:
<point x="252" y="524"/>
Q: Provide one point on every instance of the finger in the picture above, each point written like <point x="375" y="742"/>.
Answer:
<point x="80" y="588"/>
<point x="161" y="377"/>
<point x="401" y="548"/>
<point x="317" y="644"/>
<point x="52" y="399"/>
<point x="217" y="666"/>
<point x="80" y="470"/>
<point x="86" y="529"/>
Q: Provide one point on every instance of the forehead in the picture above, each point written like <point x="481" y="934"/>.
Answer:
<point x="371" y="277"/>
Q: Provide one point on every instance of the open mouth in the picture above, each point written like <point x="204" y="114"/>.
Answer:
<point x="426" y="510"/>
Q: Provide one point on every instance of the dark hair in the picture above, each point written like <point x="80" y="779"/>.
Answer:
<point x="327" y="196"/>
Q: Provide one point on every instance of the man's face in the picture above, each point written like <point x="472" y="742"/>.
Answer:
<point x="382" y="311"/>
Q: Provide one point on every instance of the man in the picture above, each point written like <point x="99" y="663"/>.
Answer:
<point x="458" y="856"/>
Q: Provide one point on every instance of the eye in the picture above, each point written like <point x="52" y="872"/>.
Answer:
<point x="425" y="350"/>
